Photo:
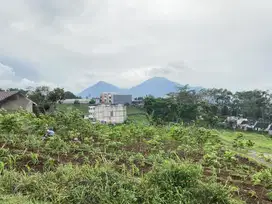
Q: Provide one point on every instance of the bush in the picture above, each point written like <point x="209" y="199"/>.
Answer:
<point x="263" y="177"/>
<point x="180" y="183"/>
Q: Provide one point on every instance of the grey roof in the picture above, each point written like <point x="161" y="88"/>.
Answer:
<point x="6" y="94"/>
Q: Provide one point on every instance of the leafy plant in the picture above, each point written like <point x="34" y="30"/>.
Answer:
<point x="263" y="177"/>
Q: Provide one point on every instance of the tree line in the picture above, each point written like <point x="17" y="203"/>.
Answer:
<point x="209" y="105"/>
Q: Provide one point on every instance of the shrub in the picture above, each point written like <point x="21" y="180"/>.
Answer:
<point x="76" y="102"/>
<point x="263" y="177"/>
<point x="180" y="183"/>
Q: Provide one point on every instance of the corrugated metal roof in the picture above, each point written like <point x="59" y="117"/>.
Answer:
<point x="6" y="94"/>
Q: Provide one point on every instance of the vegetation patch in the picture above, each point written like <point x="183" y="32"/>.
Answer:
<point x="128" y="163"/>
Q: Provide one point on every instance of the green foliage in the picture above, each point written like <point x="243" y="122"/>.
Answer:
<point x="18" y="199"/>
<point x="263" y="177"/>
<point x="269" y="195"/>
<point x="45" y="98"/>
<point x="128" y="163"/>
<point x="76" y="102"/>
<point x="69" y="95"/>
<point x="92" y="102"/>
<point x="172" y="183"/>
<point x="240" y="142"/>
<point x="206" y="106"/>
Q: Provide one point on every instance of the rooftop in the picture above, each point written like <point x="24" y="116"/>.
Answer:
<point x="6" y="94"/>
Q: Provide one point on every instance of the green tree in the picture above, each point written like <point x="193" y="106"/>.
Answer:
<point x="22" y="91"/>
<point x="40" y="96"/>
<point x="222" y="98"/>
<point x="254" y="104"/>
<point x="69" y="95"/>
<point x="45" y="98"/>
<point x="76" y="102"/>
<point x="57" y="95"/>
<point x="92" y="102"/>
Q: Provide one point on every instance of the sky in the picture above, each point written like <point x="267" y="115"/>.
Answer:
<point x="74" y="44"/>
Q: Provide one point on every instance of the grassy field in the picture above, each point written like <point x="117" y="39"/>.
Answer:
<point x="7" y="199"/>
<point x="134" y="110"/>
<point x="262" y="143"/>
<point x="81" y="107"/>
<point x="137" y="115"/>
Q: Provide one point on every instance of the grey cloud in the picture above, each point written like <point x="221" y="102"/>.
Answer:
<point x="22" y="68"/>
<point x="51" y="10"/>
<point x="159" y="72"/>
<point x="172" y="68"/>
<point x="212" y="43"/>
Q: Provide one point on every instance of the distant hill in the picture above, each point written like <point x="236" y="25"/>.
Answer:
<point x="97" y="89"/>
<point x="157" y="86"/>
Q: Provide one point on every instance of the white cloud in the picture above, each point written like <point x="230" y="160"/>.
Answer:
<point x="10" y="80"/>
<point x="74" y="44"/>
<point x="6" y="71"/>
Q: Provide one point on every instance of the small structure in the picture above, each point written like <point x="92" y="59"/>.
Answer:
<point x="243" y="123"/>
<point x="113" y="114"/>
<point x="106" y="97"/>
<point x="138" y="101"/>
<point x="269" y="129"/>
<point x="14" y="100"/>
<point x="97" y="100"/>
<point x="114" y="98"/>
<point x="71" y="101"/>
<point x="121" y="99"/>
<point x="261" y="126"/>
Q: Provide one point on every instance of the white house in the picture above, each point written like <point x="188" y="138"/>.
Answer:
<point x="113" y="114"/>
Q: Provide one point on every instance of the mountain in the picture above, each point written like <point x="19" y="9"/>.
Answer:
<point x="97" y="89"/>
<point x="157" y="86"/>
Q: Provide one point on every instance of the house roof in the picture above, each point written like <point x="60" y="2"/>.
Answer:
<point x="6" y="94"/>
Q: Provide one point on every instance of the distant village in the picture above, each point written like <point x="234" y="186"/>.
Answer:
<point x="111" y="108"/>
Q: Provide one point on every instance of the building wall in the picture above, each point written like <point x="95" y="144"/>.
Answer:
<point x="121" y="99"/>
<point x="108" y="113"/>
<point x="71" y="101"/>
<point x="17" y="101"/>
<point x="106" y="98"/>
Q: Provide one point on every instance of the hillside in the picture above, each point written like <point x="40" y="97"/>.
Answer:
<point x="157" y="86"/>
<point x="129" y="163"/>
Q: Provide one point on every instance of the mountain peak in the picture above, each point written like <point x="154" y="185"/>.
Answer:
<point x="160" y="79"/>
<point x="98" y="88"/>
<point x="102" y="83"/>
<point x="156" y="86"/>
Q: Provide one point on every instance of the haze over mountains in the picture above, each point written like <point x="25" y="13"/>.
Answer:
<point x="157" y="86"/>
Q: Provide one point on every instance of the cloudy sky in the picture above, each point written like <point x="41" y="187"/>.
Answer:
<point x="76" y="43"/>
